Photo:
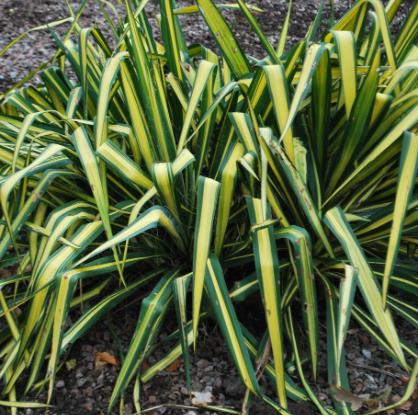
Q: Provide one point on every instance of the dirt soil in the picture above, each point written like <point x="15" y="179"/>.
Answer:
<point x="84" y="388"/>
<point x="81" y="389"/>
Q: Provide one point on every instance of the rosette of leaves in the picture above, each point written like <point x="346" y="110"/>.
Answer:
<point x="178" y="170"/>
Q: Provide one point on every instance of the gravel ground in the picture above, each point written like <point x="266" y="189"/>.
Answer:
<point x="17" y="16"/>
<point x="82" y="389"/>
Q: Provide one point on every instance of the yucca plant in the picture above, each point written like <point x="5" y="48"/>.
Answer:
<point x="173" y="169"/>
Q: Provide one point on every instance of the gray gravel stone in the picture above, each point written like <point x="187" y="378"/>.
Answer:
<point x="60" y="384"/>
<point x="197" y="386"/>
<point x="203" y="363"/>
<point x="81" y="382"/>
<point x="185" y="391"/>
<point x="367" y="353"/>
<point x="234" y="387"/>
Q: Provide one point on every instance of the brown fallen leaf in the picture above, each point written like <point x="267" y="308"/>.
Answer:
<point x="98" y="364"/>
<point x="102" y="358"/>
<point x="343" y="395"/>
<point x="145" y="388"/>
<point x="145" y="366"/>
<point x="406" y="406"/>
<point x="201" y="398"/>
<point x="175" y="365"/>
<point x="363" y="338"/>
<point x="415" y="394"/>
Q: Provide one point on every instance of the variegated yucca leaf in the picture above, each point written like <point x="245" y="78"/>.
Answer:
<point x="406" y="182"/>
<point x="180" y="286"/>
<point x="207" y="198"/>
<point x="306" y="283"/>
<point x="267" y="265"/>
<point x="368" y="284"/>
<point x="153" y="308"/>
<point x="347" y="291"/>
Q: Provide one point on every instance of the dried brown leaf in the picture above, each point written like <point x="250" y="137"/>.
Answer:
<point x="103" y="358"/>
<point x="363" y="338"/>
<point x="343" y="395"/>
<point x="98" y="364"/>
<point x="406" y="406"/>
<point x="175" y="365"/>
<point x="145" y="388"/>
<point x="145" y="366"/>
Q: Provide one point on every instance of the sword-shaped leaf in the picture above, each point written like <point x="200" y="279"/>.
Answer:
<point x="203" y="77"/>
<point x="151" y="309"/>
<point x="267" y="266"/>
<point x="347" y="291"/>
<point x="180" y="287"/>
<point x="123" y="165"/>
<point x="228" y="45"/>
<point x="368" y="285"/>
<point x="207" y="199"/>
<point x="150" y="219"/>
<point x="306" y="283"/>
<point x="231" y="330"/>
<point x="337" y="372"/>
<point x="406" y="179"/>
<point x="228" y="176"/>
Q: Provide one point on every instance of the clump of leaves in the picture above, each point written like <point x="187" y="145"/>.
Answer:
<point x="301" y="166"/>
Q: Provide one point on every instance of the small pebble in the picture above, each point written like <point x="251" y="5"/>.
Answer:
<point x="367" y="353"/>
<point x="152" y="399"/>
<point x="89" y="391"/>
<point x="60" y="384"/>
<point x="81" y="382"/>
<point x="217" y="384"/>
<point x="75" y="392"/>
<point x="202" y="363"/>
<point x="196" y="386"/>
<point x="371" y="378"/>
